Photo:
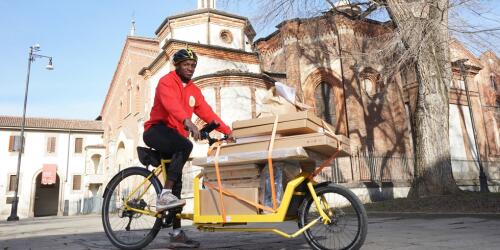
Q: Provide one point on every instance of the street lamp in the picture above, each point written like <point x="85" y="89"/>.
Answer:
<point x="483" y="182"/>
<point x="32" y="56"/>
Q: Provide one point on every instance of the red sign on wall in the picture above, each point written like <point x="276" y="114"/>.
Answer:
<point x="49" y="174"/>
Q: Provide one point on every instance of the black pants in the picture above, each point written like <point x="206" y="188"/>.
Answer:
<point x="174" y="146"/>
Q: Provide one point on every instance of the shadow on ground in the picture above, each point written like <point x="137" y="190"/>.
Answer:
<point x="214" y="240"/>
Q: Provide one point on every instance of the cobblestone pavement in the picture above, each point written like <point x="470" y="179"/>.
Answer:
<point x="393" y="231"/>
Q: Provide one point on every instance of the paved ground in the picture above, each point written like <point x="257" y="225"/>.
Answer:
<point x="395" y="231"/>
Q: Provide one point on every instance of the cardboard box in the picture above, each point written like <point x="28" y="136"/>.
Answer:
<point x="210" y="202"/>
<point x="289" y="124"/>
<point x="233" y="172"/>
<point x="238" y="183"/>
<point x="319" y="142"/>
<point x="242" y="158"/>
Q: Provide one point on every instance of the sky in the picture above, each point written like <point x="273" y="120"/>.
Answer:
<point x="85" y="39"/>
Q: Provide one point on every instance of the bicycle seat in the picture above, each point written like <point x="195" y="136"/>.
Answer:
<point x="149" y="156"/>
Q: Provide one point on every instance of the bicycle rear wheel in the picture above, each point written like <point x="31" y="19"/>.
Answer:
<point x="348" y="220"/>
<point x="125" y="228"/>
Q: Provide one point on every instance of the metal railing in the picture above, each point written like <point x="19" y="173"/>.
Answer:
<point x="382" y="167"/>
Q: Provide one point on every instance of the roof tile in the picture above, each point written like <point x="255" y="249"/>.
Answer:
<point x="50" y="123"/>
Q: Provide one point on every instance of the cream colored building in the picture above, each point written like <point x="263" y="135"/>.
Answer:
<point x="71" y="151"/>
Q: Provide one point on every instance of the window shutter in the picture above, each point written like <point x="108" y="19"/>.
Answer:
<point x="77" y="182"/>
<point x="51" y="145"/>
<point x="78" y="145"/>
<point x="12" y="182"/>
<point x="11" y="143"/>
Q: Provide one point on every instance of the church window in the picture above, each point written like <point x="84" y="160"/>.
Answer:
<point x="493" y="82"/>
<point x="325" y="104"/>
<point x="368" y="86"/>
<point x="226" y="36"/>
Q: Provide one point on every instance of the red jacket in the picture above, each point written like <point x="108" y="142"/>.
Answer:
<point x="174" y="103"/>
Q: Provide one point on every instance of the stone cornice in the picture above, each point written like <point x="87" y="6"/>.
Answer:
<point x="217" y="52"/>
<point x="250" y="30"/>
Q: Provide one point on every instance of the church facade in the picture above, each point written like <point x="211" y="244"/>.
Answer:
<point x="320" y="58"/>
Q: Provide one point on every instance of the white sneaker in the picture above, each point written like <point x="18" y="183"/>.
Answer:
<point x="182" y="241"/>
<point x="167" y="201"/>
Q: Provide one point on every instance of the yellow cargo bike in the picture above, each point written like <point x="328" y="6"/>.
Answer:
<point x="329" y="216"/>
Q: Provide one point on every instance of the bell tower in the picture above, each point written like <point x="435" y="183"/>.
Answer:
<point x="203" y="4"/>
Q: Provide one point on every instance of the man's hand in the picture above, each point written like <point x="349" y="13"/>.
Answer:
<point x="230" y="138"/>
<point x="189" y="126"/>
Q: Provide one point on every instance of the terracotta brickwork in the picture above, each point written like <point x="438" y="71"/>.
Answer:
<point x="308" y="52"/>
<point x="488" y="80"/>
<point x="124" y="107"/>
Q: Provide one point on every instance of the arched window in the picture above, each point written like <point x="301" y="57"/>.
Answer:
<point x="128" y="102"/>
<point x="120" y="156"/>
<point x="137" y="99"/>
<point x="325" y="103"/>
<point x="493" y="82"/>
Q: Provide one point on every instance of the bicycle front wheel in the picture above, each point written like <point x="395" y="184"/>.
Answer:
<point x="347" y="228"/>
<point x="125" y="227"/>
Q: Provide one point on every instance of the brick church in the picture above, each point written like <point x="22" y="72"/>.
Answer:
<point x="316" y="57"/>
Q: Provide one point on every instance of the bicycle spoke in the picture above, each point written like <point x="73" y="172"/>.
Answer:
<point x="127" y="227"/>
<point x="343" y="229"/>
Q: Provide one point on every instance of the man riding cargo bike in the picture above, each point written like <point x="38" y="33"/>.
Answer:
<point x="136" y="205"/>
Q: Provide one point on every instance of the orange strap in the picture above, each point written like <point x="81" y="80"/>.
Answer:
<point x="270" y="162"/>
<point x="211" y="148"/>
<point x="323" y="165"/>
<point x="219" y="183"/>
<point x="224" y="191"/>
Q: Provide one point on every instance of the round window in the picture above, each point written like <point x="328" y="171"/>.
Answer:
<point x="226" y="36"/>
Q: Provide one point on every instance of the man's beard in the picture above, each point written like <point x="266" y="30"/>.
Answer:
<point x="183" y="79"/>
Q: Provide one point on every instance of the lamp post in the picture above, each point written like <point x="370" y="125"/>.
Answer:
<point x="483" y="182"/>
<point x="32" y="55"/>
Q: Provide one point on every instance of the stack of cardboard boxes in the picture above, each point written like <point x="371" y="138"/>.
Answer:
<point x="298" y="136"/>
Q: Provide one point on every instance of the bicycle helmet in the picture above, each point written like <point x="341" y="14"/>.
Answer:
<point x="184" y="54"/>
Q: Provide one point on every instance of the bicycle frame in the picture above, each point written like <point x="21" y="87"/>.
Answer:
<point x="157" y="171"/>
<point x="208" y="223"/>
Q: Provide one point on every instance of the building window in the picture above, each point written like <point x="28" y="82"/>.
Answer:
<point x="493" y="82"/>
<point x="369" y="87"/>
<point x="129" y="97"/>
<point x="461" y="84"/>
<point x="325" y="105"/>
<point x="12" y="183"/>
<point x="226" y="36"/>
<point x="137" y="99"/>
<point x="15" y="143"/>
<point x="51" y="144"/>
<point x="78" y="145"/>
<point x="77" y="182"/>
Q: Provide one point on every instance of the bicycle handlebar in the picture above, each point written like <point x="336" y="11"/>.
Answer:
<point x="205" y="133"/>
